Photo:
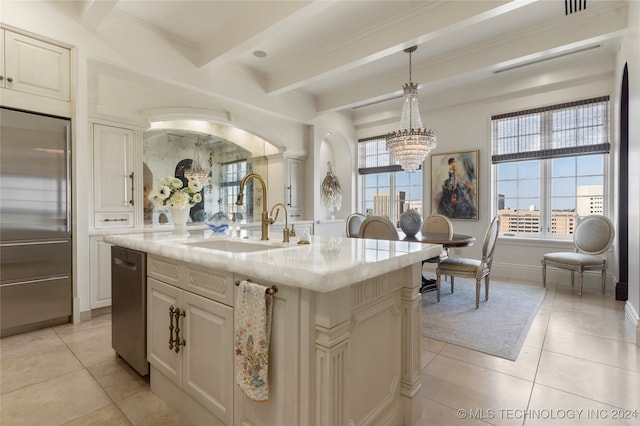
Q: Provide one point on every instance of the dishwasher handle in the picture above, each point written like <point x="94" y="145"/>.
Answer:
<point x="126" y="263"/>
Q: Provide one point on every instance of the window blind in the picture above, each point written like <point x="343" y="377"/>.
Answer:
<point x="564" y="130"/>
<point x="373" y="156"/>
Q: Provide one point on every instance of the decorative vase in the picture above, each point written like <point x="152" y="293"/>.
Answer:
<point x="410" y="222"/>
<point x="219" y="223"/>
<point x="180" y="216"/>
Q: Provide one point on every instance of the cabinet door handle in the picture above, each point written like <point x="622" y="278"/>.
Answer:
<point x="179" y="343"/>
<point x="132" y="187"/>
<point x="10" y="80"/>
<point x="171" y="339"/>
<point x="289" y="188"/>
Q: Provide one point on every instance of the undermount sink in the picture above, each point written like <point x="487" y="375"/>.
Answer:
<point x="235" y="246"/>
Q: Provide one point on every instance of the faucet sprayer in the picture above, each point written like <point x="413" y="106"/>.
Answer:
<point x="285" y="231"/>
<point x="265" y="215"/>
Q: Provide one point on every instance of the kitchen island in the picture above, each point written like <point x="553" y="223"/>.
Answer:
<point x="345" y="342"/>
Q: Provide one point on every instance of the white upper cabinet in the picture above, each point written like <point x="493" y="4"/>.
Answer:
<point x="116" y="177"/>
<point x="35" y="67"/>
<point x="294" y="194"/>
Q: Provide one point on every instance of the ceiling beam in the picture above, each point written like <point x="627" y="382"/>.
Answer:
<point x="559" y="37"/>
<point x="423" y="22"/>
<point x="264" y="19"/>
<point x="94" y="12"/>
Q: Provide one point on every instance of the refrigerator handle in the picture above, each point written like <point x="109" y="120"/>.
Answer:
<point x="67" y="131"/>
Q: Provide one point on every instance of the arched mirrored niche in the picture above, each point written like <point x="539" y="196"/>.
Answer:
<point x="225" y="154"/>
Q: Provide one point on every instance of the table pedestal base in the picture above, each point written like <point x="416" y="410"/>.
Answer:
<point x="427" y="285"/>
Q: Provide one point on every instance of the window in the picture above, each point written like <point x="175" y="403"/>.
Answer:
<point x="550" y="167"/>
<point x="385" y="189"/>
<point x="232" y="174"/>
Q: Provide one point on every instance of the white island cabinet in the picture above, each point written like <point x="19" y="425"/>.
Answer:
<point x="345" y="343"/>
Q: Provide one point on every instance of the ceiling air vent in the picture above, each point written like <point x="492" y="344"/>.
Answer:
<point x="571" y="6"/>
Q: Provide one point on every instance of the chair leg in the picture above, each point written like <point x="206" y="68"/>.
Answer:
<point x="438" y="286"/>
<point x="477" y="293"/>
<point x="451" y="284"/>
<point x="486" y="288"/>
<point x="604" y="278"/>
<point x="572" y="278"/>
<point x="544" y="274"/>
<point x="581" y="281"/>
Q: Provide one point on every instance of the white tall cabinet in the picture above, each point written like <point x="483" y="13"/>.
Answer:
<point x="115" y="166"/>
<point x="286" y="184"/>
<point x="116" y="152"/>
<point x="294" y="194"/>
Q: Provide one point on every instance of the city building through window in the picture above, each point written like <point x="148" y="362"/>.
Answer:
<point x="384" y="188"/>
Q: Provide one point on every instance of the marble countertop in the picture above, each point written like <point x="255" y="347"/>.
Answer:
<point x="327" y="264"/>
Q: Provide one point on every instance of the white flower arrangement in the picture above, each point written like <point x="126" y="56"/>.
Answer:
<point x="171" y="192"/>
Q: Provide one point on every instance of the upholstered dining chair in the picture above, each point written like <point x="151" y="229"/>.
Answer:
<point x="472" y="268"/>
<point x="354" y="220"/>
<point x="442" y="225"/>
<point x="378" y="228"/>
<point x="592" y="238"/>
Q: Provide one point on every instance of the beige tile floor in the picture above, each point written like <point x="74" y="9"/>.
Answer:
<point x="577" y="367"/>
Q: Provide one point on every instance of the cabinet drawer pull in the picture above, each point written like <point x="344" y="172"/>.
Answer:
<point x="122" y="219"/>
<point x="177" y="313"/>
<point x="132" y="187"/>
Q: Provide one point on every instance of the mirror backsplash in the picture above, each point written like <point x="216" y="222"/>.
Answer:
<point x="170" y="153"/>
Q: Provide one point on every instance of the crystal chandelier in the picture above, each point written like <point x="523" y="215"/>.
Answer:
<point x="197" y="171"/>
<point x="411" y="143"/>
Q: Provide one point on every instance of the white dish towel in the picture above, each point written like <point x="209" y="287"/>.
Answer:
<point x="252" y="323"/>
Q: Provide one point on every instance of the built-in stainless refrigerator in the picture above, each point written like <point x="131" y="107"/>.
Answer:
<point x="35" y="221"/>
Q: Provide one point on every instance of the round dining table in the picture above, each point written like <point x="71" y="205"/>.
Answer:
<point x="457" y="240"/>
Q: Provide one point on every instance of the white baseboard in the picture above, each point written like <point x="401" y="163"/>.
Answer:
<point x="532" y="273"/>
<point x="632" y="321"/>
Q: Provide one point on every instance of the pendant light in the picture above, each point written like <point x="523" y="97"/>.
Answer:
<point x="197" y="171"/>
<point x="411" y="143"/>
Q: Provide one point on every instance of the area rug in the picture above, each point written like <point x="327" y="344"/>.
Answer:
<point x="499" y="327"/>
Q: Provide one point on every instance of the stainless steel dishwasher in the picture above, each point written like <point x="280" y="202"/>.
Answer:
<point x="129" y="307"/>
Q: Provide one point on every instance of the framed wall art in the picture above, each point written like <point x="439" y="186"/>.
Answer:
<point x="454" y="184"/>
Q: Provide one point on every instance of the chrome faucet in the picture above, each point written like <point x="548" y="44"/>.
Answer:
<point x="266" y="221"/>
<point x="285" y="231"/>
